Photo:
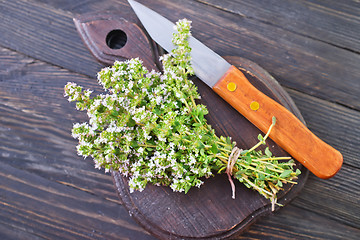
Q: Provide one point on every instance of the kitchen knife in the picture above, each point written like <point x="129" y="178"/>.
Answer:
<point x="231" y="84"/>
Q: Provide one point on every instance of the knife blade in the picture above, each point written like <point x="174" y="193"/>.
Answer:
<point x="232" y="85"/>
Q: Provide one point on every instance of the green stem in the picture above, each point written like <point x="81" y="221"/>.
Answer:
<point x="193" y="101"/>
<point x="147" y="145"/>
<point x="255" y="146"/>
<point x="260" y="190"/>
<point x="268" y="174"/>
<point x="265" y="137"/>
<point x="273" y="158"/>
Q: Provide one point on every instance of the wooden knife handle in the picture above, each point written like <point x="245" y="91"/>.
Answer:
<point x="289" y="132"/>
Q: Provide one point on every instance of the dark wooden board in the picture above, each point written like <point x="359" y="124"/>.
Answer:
<point x="210" y="212"/>
<point x="112" y="37"/>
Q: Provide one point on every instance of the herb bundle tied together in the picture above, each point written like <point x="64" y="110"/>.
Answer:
<point x="148" y="126"/>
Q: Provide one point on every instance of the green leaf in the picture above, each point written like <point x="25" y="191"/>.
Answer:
<point x="244" y="152"/>
<point x="297" y="172"/>
<point x="261" y="138"/>
<point x="157" y="111"/>
<point x="134" y="143"/>
<point x="247" y="159"/>
<point x="273" y="120"/>
<point x="268" y="152"/>
<point x="131" y="123"/>
<point x="114" y="113"/>
<point x="214" y="149"/>
<point x="101" y="109"/>
<point x="187" y="188"/>
<point x="200" y="145"/>
<point x="238" y="174"/>
<point x="176" y="123"/>
<point x="285" y="174"/>
<point x="261" y="177"/>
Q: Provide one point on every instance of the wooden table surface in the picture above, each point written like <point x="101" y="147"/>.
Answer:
<point x="312" y="47"/>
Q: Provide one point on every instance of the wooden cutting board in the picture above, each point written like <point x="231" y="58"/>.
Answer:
<point x="208" y="212"/>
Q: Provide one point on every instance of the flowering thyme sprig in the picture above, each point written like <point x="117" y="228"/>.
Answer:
<point x="148" y="126"/>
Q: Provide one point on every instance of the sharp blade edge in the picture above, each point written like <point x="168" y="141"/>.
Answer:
<point x="207" y="65"/>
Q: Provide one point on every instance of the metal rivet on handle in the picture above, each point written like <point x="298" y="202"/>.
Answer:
<point x="231" y="86"/>
<point x="254" y="105"/>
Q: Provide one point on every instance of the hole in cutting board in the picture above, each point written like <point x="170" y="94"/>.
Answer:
<point x="116" y="39"/>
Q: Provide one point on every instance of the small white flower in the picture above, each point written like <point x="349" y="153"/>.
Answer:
<point x="192" y="160"/>
<point x="140" y="150"/>
<point x="199" y="184"/>
<point x="162" y="139"/>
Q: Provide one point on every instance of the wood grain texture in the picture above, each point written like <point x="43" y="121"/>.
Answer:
<point x="42" y="209"/>
<point x="297" y="61"/>
<point x="30" y="104"/>
<point x="16" y="73"/>
<point x="36" y="120"/>
<point x="296" y="218"/>
<point x="333" y="22"/>
<point x="337" y="198"/>
<point x="311" y="66"/>
<point x="101" y="30"/>
<point x="45" y="33"/>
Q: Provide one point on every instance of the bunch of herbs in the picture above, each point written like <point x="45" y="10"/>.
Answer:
<point x="148" y="126"/>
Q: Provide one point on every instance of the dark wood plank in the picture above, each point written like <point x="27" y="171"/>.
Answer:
<point x="333" y="22"/>
<point x="85" y="6"/>
<point x="45" y="33"/>
<point x="14" y="232"/>
<point x="296" y="223"/>
<point x="67" y="5"/>
<point x="36" y="120"/>
<point x="297" y="61"/>
<point x="337" y="198"/>
<point x="44" y="209"/>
